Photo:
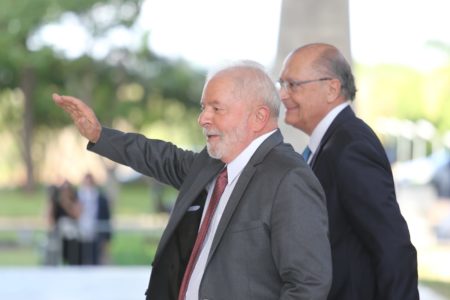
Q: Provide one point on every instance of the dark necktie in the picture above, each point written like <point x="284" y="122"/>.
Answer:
<point x="219" y="187"/>
<point x="306" y="154"/>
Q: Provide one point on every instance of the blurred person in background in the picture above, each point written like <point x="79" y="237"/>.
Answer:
<point x="63" y="215"/>
<point x="94" y="223"/>
<point x="373" y="257"/>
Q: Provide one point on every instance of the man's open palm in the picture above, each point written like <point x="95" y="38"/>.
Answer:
<point x="82" y="115"/>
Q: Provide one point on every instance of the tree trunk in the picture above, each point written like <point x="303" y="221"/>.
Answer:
<point x="27" y="84"/>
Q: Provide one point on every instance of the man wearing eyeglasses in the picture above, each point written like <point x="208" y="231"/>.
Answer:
<point x="373" y="257"/>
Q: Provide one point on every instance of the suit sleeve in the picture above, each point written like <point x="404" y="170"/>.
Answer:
<point x="299" y="237"/>
<point x="161" y="160"/>
<point x="368" y="194"/>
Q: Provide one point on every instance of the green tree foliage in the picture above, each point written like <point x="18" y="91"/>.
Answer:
<point x="437" y="89"/>
<point x="437" y="93"/>
<point x="127" y="84"/>
<point x="395" y="91"/>
<point x="31" y="71"/>
<point x="392" y="91"/>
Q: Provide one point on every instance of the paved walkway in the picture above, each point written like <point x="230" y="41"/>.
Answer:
<point x="74" y="283"/>
<point x="89" y="283"/>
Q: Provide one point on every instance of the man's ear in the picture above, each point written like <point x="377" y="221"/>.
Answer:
<point x="334" y="90"/>
<point x="261" y="117"/>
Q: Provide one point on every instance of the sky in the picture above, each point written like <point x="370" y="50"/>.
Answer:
<point x="398" y="31"/>
<point x="207" y="32"/>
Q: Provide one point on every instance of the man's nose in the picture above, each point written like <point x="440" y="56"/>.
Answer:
<point x="204" y="118"/>
<point x="283" y="92"/>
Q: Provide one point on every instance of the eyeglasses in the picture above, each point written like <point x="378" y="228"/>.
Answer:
<point x="291" y="85"/>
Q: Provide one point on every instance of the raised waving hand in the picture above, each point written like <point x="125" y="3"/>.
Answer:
<point x="82" y="115"/>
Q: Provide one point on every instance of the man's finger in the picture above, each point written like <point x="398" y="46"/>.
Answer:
<point x="57" y="98"/>
<point x="81" y="114"/>
<point x="68" y="104"/>
<point x="62" y="100"/>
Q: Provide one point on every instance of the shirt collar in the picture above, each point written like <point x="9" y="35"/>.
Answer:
<point x="323" y="125"/>
<point x="235" y="167"/>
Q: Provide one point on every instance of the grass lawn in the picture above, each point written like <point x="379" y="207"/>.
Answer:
<point x="131" y="199"/>
<point x="134" y="248"/>
<point x="16" y="203"/>
<point x="24" y="256"/>
<point x="126" y="249"/>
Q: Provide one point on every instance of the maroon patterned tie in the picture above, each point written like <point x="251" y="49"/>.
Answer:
<point x="219" y="187"/>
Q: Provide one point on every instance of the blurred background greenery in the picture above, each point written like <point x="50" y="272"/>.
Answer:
<point x="129" y="88"/>
<point x="133" y="88"/>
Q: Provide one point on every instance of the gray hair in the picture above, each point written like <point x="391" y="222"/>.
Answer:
<point x="335" y="64"/>
<point x="331" y="62"/>
<point x="251" y="82"/>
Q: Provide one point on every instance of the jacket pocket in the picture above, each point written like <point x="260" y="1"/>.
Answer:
<point x="245" y="226"/>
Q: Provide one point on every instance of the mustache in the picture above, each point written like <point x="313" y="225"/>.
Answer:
<point x="208" y="132"/>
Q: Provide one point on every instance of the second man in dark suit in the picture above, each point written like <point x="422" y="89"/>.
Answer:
<point x="373" y="257"/>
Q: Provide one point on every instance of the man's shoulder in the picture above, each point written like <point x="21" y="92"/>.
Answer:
<point x="284" y="156"/>
<point x="351" y="129"/>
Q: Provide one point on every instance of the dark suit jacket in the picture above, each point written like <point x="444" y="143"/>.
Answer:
<point x="271" y="242"/>
<point x="104" y="218"/>
<point x="373" y="257"/>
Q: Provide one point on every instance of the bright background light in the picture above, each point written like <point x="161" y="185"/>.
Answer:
<point x="207" y="32"/>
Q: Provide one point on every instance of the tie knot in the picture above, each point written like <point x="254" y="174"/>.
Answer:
<point x="222" y="178"/>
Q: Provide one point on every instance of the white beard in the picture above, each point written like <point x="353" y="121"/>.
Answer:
<point x="226" y="142"/>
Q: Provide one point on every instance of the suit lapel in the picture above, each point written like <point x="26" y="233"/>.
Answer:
<point x="341" y="118"/>
<point x="241" y="185"/>
<point x="186" y="199"/>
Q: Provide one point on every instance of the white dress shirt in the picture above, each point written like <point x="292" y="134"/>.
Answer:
<point x="87" y="221"/>
<point x="234" y="170"/>
<point x="322" y="127"/>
